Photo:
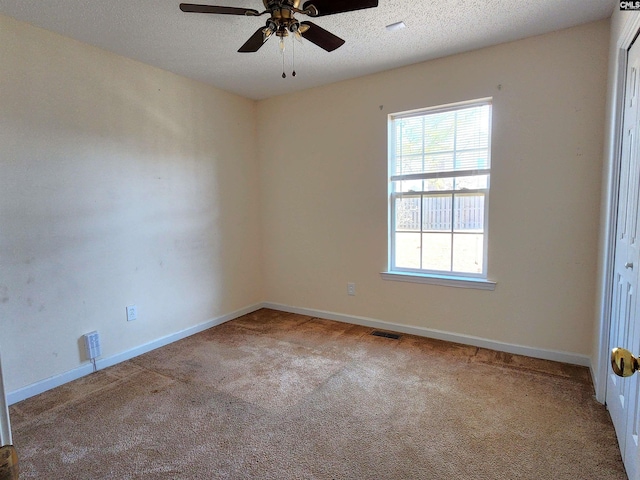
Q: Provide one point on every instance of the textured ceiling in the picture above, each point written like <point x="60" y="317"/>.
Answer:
<point x="204" y="47"/>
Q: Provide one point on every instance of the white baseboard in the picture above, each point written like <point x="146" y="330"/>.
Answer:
<point x="85" y="369"/>
<point x="57" y="380"/>
<point x="557" y="356"/>
<point x="48" y="383"/>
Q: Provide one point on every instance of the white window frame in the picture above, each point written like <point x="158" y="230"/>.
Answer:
<point x="440" y="277"/>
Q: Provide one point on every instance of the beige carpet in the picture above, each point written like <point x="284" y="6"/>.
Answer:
<point x="281" y="396"/>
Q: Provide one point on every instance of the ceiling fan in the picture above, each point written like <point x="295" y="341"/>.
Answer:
<point x="282" y="21"/>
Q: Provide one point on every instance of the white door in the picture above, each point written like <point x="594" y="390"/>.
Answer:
<point x="622" y="393"/>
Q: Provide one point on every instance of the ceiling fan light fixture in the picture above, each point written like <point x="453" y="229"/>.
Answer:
<point x="394" y="27"/>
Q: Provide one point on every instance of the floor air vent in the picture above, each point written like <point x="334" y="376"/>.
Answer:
<point x="378" y="333"/>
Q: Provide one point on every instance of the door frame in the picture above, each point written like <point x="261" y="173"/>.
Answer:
<point x="5" y="425"/>
<point x="609" y="206"/>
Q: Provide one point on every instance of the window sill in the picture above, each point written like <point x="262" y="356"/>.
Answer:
<point x="443" y="280"/>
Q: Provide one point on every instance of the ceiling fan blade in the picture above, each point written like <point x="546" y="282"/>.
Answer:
<point x="193" y="8"/>
<point x="329" y="7"/>
<point x="255" y="42"/>
<point x="321" y="37"/>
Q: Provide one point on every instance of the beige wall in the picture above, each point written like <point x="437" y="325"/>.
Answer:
<point x="324" y="179"/>
<point x="120" y="184"/>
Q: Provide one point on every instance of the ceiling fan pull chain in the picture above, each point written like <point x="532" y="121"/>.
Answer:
<point x="284" y="75"/>
<point x="293" y="58"/>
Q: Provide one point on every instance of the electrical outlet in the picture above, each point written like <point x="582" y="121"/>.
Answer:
<point x="132" y="313"/>
<point x="351" y="289"/>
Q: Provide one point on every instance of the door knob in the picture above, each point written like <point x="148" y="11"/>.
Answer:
<point x="623" y="363"/>
<point x="629" y="265"/>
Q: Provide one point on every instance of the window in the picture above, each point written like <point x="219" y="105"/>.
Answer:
<point x="440" y="167"/>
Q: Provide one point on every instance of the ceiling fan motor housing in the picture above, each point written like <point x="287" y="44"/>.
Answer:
<point x="282" y="20"/>
<point x="272" y="5"/>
